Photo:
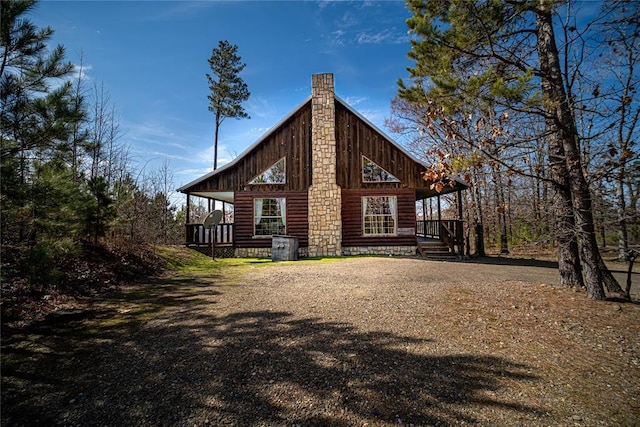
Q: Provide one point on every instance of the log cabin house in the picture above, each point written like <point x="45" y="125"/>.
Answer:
<point x="330" y="178"/>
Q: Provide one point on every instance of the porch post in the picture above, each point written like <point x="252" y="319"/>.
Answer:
<point x="187" y="220"/>
<point x="459" y="229"/>
<point x="424" y="216"/>
<point x="439" y="210"/>
<point x="188" y="217"/>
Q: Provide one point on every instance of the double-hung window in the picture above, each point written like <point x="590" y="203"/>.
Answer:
<point x="379" y="215"/>
<point x="269" y="216"/>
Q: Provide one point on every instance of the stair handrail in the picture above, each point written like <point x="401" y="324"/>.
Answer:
<point x="447" y="237"/>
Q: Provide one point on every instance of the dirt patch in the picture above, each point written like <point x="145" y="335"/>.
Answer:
<point x="358" y="341"/>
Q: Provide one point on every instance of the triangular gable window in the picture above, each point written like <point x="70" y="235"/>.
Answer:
<point x="372" y="172"/>
<point x="275" y="174"/>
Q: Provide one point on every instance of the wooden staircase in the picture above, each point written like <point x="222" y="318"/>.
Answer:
<point x="436" y="250"/>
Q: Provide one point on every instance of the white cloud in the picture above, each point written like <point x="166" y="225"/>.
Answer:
<point x="155" y="133"/>
<point x="355" y="100"/>
<point x="81" y="71"/>
<point x="178" y="11"/>
<point x="257" y="132"/>
<point x="375" y="116"/>
<point x="384" y="36"/>
<point x="260" y="107"/>
<point x="193" y="172"/>
<point x="337" y="37"/>
<point x="348" y="20"/>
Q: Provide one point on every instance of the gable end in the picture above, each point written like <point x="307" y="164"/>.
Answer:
<point x="355" y="138"/>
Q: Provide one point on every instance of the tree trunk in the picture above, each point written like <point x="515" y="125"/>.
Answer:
<point x="215" y="141"/>
<point x="568" y="255"/>
<point x="479" y="242"/>
<point x="565" y="136"/>
<point x="621" y="210"/>
<point x="478" y="227"/>
<point x="569" y="266"/>
<point x="501" y="210"/>
<point x="632" y="258"/>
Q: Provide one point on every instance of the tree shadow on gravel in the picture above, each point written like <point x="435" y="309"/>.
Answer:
<point x="521" y="262"/>
<point x="183" y="366"/>
<point x="530" y="262"/>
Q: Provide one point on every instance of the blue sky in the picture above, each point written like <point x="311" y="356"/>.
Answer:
<point x="151" y="57"/>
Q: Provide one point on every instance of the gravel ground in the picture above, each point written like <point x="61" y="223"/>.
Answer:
<point x="348" y="342"/>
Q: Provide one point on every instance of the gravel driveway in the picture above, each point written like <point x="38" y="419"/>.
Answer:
<point x="348" y="342"/>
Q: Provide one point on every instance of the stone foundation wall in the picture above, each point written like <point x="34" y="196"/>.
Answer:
<point x="346" y="251"/>
<point x="263" y="252"/>
<point x="380" y="250"/>
<point x="253" y="253"/>
<point x="324" y="202"/>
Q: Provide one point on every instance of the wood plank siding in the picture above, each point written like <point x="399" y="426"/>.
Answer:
<point x="355" y="138"/>
<point x="352" y="234"/>
<point x="336" y="211"/>
<point x="292" y="140"/>
<point x="297" y="223"/>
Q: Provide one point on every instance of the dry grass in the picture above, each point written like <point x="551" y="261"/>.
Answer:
<point x="359" y="341"/>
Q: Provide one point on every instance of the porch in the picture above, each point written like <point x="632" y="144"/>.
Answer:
<point x="197" y="235"/>
<point x="440" y="238"/>
<point x="435" y="234"/>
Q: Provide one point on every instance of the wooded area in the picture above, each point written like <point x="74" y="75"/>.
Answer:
<point x="68" y="183"/>
<point x="535" y="103"/>
<point x="481" y="111"/>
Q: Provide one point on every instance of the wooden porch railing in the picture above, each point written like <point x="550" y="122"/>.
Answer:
<point x="198" y="235"/>
<point x="449" y="231"/>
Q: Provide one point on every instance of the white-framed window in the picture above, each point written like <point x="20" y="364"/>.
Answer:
<point x="379" y="215"/>
<point x="372" y="172"/>
<point x="274" y="174"/>
<point x="269" y="216"/>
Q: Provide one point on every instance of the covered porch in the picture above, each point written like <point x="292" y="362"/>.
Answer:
<point x="438" y="230"/>
<point x="219" y="238"/>
<point x="434" y="227"/>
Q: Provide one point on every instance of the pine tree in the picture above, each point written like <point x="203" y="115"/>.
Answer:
<point x="37" y="114"/>
<point x="502" y="56"/>
<point x="228" y="89"/>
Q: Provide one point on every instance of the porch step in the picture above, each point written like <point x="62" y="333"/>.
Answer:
<point x="435" y="250"/>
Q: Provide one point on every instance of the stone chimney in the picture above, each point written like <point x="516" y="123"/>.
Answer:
<point x="325" y="219"/>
